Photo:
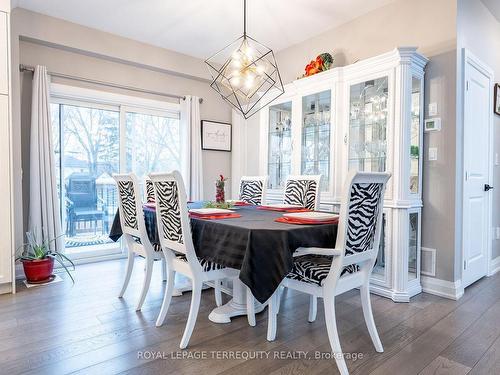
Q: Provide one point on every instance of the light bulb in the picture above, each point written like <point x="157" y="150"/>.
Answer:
<point x="260" y="69"/>
<point x="249" y="81"/>
<point x="236" y="63"/>
<point x="236" y="55"/>
<point x="235" y="81"/>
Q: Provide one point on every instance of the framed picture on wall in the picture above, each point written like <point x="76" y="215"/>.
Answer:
<point x="496" y="94"/>
<point x="215" y="136"/>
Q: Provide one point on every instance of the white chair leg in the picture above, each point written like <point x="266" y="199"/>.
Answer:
<point x="368" y="314"/>
<point x="313" y="308"/>
<point x="130" y="267"/>
<point x="218" y="293"/>
<point x="147" y="280"/>
<point x="333" y="335"/>
<point x="250" y="308"/>
<point x="193" y="313"/>
<point x="166" y="298"/>
<point x="164" y="269"/>
<point x="272" y="316"/>
<point x="281" y="290"/>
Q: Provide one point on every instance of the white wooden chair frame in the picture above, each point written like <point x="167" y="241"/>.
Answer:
<point x="335" y="285"/>
<point x="145" y="189"/>
<point x="315" y="178"/>
<point x="263" y="179"/>
<point x="192" y="268"/>
<point x="145" y="248"/>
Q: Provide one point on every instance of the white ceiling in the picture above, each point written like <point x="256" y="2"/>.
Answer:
<point x="200" y="27"/>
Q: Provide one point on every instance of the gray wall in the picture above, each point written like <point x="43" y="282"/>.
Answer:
<point x="479" y="31"/>
<point x="427" y="24"/>
<point x="403" y="23"/>
<point x="71" y="59"/>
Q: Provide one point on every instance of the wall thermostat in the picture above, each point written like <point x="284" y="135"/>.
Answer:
<point x="432" y="125"/>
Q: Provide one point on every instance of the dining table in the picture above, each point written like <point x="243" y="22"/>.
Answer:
<point x="254" y="243"/>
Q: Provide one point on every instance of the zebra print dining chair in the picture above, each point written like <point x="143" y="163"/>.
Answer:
<point x="326" y="273"/>
<point x="176" y="240"/>
<point x="134" y="232"/>
<point x="253" y="189"/>
<point x="303" y="191"/>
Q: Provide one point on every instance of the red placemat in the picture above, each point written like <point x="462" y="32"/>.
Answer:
<point x="279" y="209"/>
<point x="289" y="220"/>
<point x="241" y="203"/>
<point x="214" y="217"/>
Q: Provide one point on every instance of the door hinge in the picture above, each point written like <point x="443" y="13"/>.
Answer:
<point x="467" y="85"/>
<point x="466" y="175"/>
<point x="465" y="264"/>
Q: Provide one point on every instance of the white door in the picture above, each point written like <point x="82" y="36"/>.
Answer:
<point x="477" y="197"/>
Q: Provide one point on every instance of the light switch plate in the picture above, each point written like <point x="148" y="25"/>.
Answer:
<point x="433" y="109"/>
<point x="433" y="153"/>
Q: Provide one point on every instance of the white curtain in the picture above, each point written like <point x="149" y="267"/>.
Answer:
<point x="193" y="163"/>
<point x="44" y="219"/>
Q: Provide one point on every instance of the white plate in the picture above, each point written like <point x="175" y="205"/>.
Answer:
<point x="317" y="216"/>
<point x="281" y="205"/>
<point x="210" y="211"/>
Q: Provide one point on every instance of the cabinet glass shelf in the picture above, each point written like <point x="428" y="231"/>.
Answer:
<point x="279" y="144"/>
<point x="315" y="158"/>
<point x="368" y="124"/>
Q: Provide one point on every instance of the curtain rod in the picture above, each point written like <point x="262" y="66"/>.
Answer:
<point x="31" y="69"/>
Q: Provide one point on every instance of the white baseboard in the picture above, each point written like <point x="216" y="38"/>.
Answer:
<point x="494" y="266"/>
<point x="5" y="288"/>
<point x="442" y="288"/>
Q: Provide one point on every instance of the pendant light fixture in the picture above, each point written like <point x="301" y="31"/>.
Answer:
<point x="245" y="73"/>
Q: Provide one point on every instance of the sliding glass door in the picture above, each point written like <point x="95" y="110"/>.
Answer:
<point x="93" y="141"/>
<point x="153" y="143"/>
<point x="87" y="154"/>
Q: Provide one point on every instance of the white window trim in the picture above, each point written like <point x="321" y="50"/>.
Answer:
<point x="60" y="91"/>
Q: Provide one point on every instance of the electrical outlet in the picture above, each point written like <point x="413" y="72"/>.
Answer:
<point x="433" y="109"/>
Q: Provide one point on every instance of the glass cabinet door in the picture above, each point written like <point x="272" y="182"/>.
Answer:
<point x="368" y="125"/>
<point x="413" y="245"/>
<point x="415" y="135"/>
<point x="315" y="155"/>
<point x="279" y="144"/>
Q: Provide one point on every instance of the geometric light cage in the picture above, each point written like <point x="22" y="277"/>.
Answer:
<point x="246" y="75"/>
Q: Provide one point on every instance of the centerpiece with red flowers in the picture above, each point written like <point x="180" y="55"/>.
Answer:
<point x="219" y="189"/>
<point x="322" y="63"/>
<point x="220" y="198"/>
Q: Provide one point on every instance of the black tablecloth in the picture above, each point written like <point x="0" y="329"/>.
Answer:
<point x="255" y="244"/>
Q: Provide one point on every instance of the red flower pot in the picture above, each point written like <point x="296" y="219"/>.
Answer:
<point x="38" y="270"/>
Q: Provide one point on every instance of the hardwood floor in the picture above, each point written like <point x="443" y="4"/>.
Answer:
<point x="86" y="329"/>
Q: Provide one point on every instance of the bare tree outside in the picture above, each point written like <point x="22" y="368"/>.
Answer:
<point x="87" y="153"/>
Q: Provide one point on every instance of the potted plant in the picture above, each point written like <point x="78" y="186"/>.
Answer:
<point x="38" y="259"/>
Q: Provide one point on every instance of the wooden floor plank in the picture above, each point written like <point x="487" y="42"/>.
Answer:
<point x="85" y="329"/>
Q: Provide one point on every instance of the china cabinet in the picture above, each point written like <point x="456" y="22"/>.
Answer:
<point x="366" y="116"/>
